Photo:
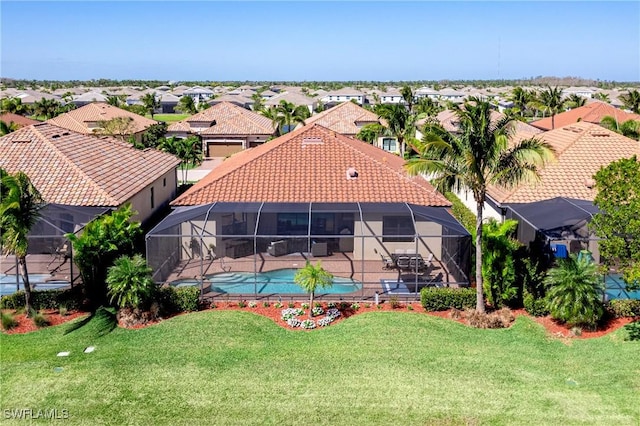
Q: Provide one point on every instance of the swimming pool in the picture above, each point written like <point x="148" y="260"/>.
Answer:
<point x="37" y="281"/>
<point x="279" y="281"/>
<point x="616" y="288"/>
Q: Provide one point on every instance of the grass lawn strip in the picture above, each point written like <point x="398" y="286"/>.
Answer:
<point x="229" y="367"/>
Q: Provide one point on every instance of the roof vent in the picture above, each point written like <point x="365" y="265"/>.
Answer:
<point x="55" y="136"/>
<point x="600" y="134"/>
<point x="312" y="141"/>
<point x="589" y="183"/>
<point x="352" y="173"/>
<point x="21" y="141"/>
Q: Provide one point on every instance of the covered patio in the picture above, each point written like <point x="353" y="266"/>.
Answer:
<point x="251" y="250"/>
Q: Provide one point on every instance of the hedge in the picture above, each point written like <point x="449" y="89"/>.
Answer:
<point x="181" y="299"/>
<point x="441" y="299"/>
<point x="46" y="299"/>
<point x="535" y="307"/>
<point x="621" y="308"/>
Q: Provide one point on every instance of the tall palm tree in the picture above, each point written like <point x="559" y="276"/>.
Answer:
<point x="631" y="101"/>
<point x="628" y="128"/>
<point x="13" y="105"/>
<point x="46" y="108"/>
<point x="188" y="150"/>
<point x="150" y="102"/>
<point x="187" y="105"/>
<point x="550" y="100"/>
<point x="478" y="155"/>
<point x="575" y="101"/>
<point x="114" y="100"/>
<point x="311" y="278"/>
<point x="289" y="113"/>
<point x="401" y="122"/>
<point x="19" y="210"/>
<point x="407" y="96"/>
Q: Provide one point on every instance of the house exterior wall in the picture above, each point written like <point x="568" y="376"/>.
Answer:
<point x="164" y="190"/>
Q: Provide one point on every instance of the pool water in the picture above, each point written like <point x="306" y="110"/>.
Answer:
<point x="616" y="288"/>
<point x="37" y="281"/>
<point x="272" y="282"/>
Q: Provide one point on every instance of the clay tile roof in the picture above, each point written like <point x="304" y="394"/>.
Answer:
<point x="21" y="121"/>
<point x="179" y="126"/>
<point x="310" y="165"/>
<point x="593" y="112"/>
<point x="76" y="169"/>
<point x="581" y="150"/>
<point x="342" y="118"/>
<point x="449" y="121"/>
<point x="230" y="119"/>
<point x="78" y="119"/>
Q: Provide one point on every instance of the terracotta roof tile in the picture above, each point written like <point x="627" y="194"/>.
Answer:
<point x="78" y="119"/>
<point x="342" y="118"/>
<point x="20" y="120"/>
<point x="593" y="112"/>
<point x="230" y="119"/>
<point x="76" y="169"/>
<point x="310" y="165"/>
<point x="581" y="150"/>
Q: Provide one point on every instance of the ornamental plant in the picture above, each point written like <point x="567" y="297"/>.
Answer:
<point x="129" y="282"/>
<point x="312" y="277"/>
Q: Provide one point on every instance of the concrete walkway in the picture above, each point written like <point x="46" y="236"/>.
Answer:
<point x="202" y="170"/>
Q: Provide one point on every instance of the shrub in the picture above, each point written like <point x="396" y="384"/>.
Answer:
<point x="47" y="299"/>
<point x="308" y="324"/>
<point x="535" y="307"/>
<point x="394" y="302"/>
<point x="317" y="305"/>
<point x="304" y="306"/>
<point x="574" y="292"/>
<point x="62" y="310"/>
<point x="367" y="305"/>
<point x="355" y="306"/>
<point x="291" y="305"/>
<point x="253" y="304"/>
<point x="409" y="307"/>
<point x="278" y="305"/>
<point x="8" y="321"/>
<point x="624" y="308"/>
<point x="129" y="282"/>
<point x="441" y="299"/>
<point x="173" y="300"/>
<point x="498" y="319"/>
<point x="40" y="320"/>
<point x="317" y="311"/>
<point x="241" y="304"/>
<point x="265" y="304"/>
<point x="633" y="331"/>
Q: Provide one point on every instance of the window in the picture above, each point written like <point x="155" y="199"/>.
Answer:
<point x="397" y="229"/>
<point x="293" y="223"/>
<point x="164" y="182"/>
<point x="152" y="200"/>
<point x="389" y="144"/>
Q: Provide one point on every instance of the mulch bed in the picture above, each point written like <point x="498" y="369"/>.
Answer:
<point x="26" y="325"/>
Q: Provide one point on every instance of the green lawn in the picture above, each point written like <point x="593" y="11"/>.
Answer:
<point x="169" y="118"/>
<point x="227" y="367"/>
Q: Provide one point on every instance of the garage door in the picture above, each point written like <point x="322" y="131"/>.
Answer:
<point x="223" y="149"/>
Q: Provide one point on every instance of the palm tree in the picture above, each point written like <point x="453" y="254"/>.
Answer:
<point x="628" y="128"/>
<point x="427" y="106"/>
<point x="575" y="101"/>
<point x="407" y="96"/>
<point x="6" y="128"/>
<point x="574" y="292"/>
<point x="550" y="100"/>
<point x="13" y="105"/>
<point x="370" y="132"/>
<point x="601" y="96"/>
<point x="151" y="103"/>
<point x="188" y="150"/>
<point x="401" y="122"/>
<point x="129" y="282"/>
<point x="289" y="113"/>
<point x="186" y="105"/>
<point x="479" y="155"/>
<point x="631" y="101"/>
<point x="310" y="278"/>
<point x="114" y="100"/>
<point x="46" y="108"/>
<point x="19" y="210"/>
<point x="521" y="99"/>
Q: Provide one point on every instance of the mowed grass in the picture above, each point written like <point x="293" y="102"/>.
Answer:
<point x="228" y="367"/>
<point x="169" y="118"/>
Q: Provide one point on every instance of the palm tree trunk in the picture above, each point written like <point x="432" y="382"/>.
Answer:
<point x="22" y="262"/>
<point x="479" y="284"/>
<point x="553" y="121"/>
<point x="311" y="305"/>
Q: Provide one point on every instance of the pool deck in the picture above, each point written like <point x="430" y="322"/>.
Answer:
<point x="57" y="269"/>
<point x="386" y="282"/>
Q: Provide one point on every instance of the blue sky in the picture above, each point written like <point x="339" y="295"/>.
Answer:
<point x="299" y="41"/>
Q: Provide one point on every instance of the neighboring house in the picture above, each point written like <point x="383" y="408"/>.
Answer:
<point x="199" y="94"/>
<point x="295" y="98"/>
<point x="75" y="169"/>
<point x="346" y="118"/>
<point x="449" y="94"/>
<point x="87" y="98"/>
<point x="585" y="92"/>
<point x="225" y="129"/>
<point x="426" y="92"/>
<point x="592" y="112"/>
<point x="346" y="94"/>
<point x="241" y="100"/>
<point x="268" y="94"/>
<point x="28" y="97"/>
<point x="168" y="102"/>
<point x="87" y="119"/>
<point x="18" y="120"/>
<point x="581" y="150"/>
<point x="449" y="120"/>
<point x="391" y="96"/>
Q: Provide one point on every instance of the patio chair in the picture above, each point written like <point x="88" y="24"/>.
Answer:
<point x="60" y="253"/>
<point x="403" y="262"/>
<point x="319" y="249"/>
<point x="387" y="262"/>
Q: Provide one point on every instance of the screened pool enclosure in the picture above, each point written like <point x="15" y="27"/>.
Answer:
<point x="254" y="249"/>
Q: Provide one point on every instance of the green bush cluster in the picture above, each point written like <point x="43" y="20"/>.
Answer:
<point x="173" y="300"/>
<point x="441" y="299"/>
<point x="462" y="213"/>
<point x="624" y="308"/>
<point x="47" y="299"/>
<point x="8" y="321"/>
<point x="535" y="307"/>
